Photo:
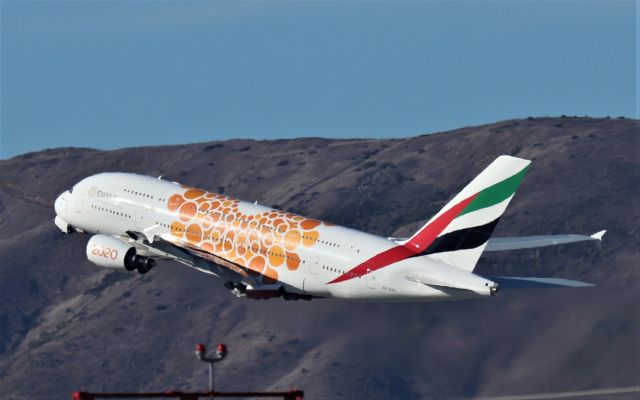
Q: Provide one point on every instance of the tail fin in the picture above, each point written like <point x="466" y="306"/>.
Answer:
<point x="458" y="234"/>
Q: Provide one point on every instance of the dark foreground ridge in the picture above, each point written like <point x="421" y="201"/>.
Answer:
<point x="67" y="325"/>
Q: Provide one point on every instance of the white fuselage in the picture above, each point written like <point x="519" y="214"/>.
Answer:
<point x="303" y="255"/>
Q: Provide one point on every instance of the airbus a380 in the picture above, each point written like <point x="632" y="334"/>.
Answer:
<point x="261" y="252"/>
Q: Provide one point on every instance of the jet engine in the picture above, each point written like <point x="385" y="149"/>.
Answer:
<point x="110" y="252"/>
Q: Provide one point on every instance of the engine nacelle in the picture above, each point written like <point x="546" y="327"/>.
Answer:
<point x="109" y="252"/>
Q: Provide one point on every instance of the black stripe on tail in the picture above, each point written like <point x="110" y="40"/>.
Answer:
<point x="464" y="239"/>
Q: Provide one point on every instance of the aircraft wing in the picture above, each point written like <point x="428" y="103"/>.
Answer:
<point x="530" y="242"/>
<point x="159" y="248"/>
<point x="251" y="283"/>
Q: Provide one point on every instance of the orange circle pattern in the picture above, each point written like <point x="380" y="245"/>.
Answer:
<point x="262" y="242"/>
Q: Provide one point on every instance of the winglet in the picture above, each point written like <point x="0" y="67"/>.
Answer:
<point x="599" y="235"/>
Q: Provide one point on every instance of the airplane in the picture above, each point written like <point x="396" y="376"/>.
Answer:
<point x="261" y="253"/>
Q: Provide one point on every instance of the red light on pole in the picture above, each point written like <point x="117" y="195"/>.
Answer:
<point x="201" y="353"/>
<point x="222" y="350"/>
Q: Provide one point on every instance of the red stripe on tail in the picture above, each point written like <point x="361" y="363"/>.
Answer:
<point x="421" y="240"/>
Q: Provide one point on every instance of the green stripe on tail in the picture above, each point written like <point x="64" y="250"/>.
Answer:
<point x="496" y="193"/>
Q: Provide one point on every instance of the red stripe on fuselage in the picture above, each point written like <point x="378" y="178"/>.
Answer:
<point x="414" y="246"/>
<point x="378" y="261"/>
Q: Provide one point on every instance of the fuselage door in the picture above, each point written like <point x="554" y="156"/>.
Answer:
<point x="139" y="218"/>
<point x="351" y="246"/>
<point x="314" y="267"/>
<point x="370" y="279"/>
<point x="79" y="204"/>
<point x="80" y="201"/>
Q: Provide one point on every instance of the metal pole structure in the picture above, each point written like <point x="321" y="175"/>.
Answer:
<point x="211" y="377"/>
<point x="201" y="353"/>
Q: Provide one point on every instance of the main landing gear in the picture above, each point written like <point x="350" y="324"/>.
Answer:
<point x="142" y="264"/>
<point x="263" y="292"/>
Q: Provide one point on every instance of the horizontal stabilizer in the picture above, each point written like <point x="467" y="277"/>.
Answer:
<point x="508" y="282"/>
<point x="448" y="276"/>
<point x="530" y="242"/>
<point x="429" y="281"/>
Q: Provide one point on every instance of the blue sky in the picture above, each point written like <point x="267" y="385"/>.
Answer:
<point x="120" y="74"/>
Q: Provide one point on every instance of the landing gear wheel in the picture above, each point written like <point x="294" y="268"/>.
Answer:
<point x="143" y="269"/>
<point x="129" y="260"/>
<point x="133" y="261"/>
<point x="144" y="265"/>
<point x="290" y="296"/>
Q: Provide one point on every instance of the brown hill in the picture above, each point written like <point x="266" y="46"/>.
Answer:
<point x="66" y="324"/>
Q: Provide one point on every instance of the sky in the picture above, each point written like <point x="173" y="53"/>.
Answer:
<point x="120" y="74"/>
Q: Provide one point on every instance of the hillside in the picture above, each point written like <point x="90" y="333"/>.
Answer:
<point x="66" y="324"/>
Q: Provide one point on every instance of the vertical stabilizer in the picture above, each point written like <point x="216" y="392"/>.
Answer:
<point x="458" y="234"/>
